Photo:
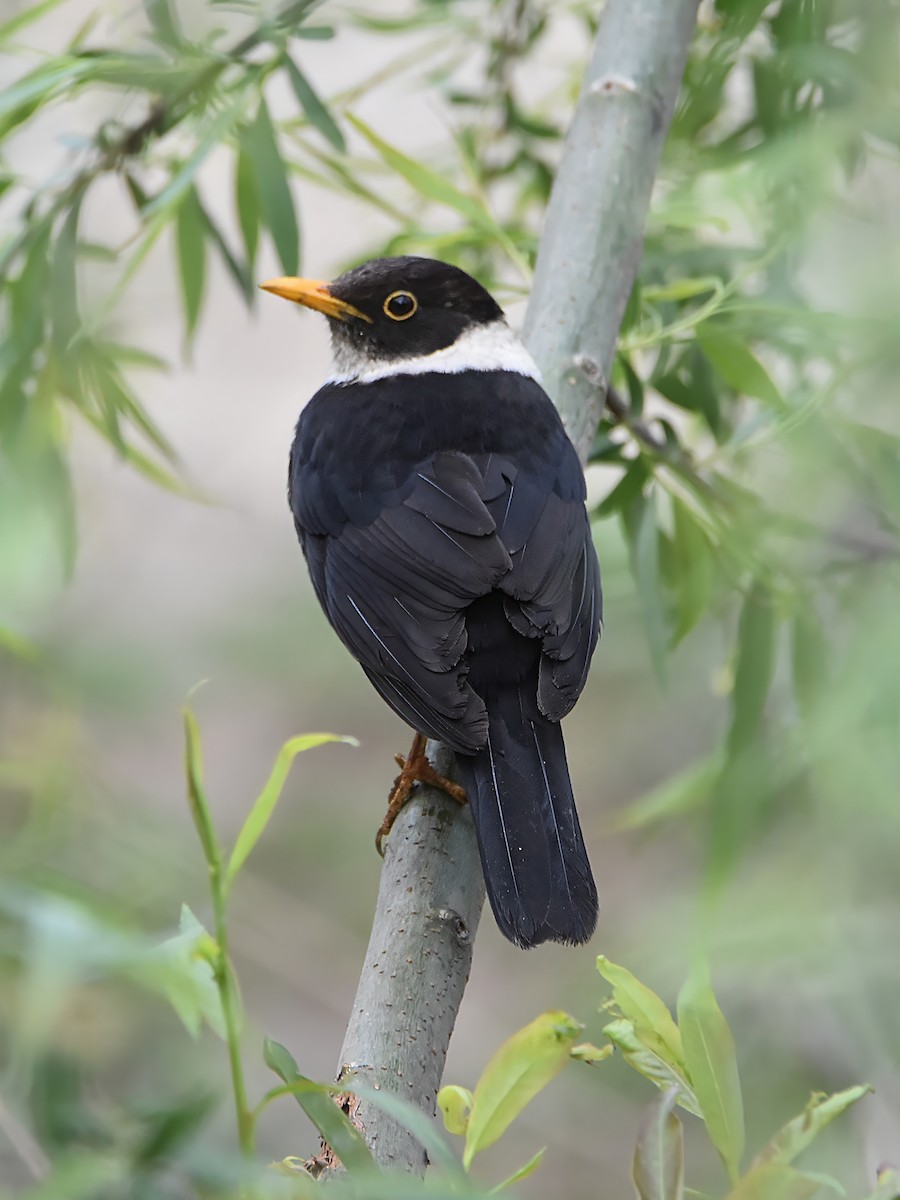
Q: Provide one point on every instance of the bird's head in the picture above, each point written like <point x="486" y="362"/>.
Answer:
<point x="391" y="313"/>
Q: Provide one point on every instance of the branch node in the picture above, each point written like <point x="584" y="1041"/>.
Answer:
<point x="591" y="369"/>
<point x="458" y="926"/>
<point x="611" y="85"/>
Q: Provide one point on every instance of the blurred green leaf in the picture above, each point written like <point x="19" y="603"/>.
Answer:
<point x="810" y="651"/>
<point x="658" y="1169"/>
<point x="183" y="178"/>
<point x="180" y="970"/>
<point x="199" y="805"/>
<point x="248" y="203"/>
<point x="63" y="288"/>
<point x="259" y="143"/>
<point x="318" y="1102"/>
<point x="681" y="793"/>
<point x="648" y="1014"/>
<point x="694" y="570"/>
<point x="264" y="805"/>
<point x="29" y="14"/>
<point x="427" y="182"/>
<point x="641" y="522"/>
<point x="455" y="1104"/>
<point x="523" y="1172"/>
<point x="522" y="1067"/>
<point x="738" y="366"/>
<point x="712" y="1067"/>
<point x="316" y="112"/>
<point x="755" y="667"/>
<point x="773" y="1182"/>
<point x="190" y="239"/>
<point x="793" y="1138"/>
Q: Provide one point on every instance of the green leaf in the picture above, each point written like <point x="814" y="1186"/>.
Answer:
<point x="28" y="15"/>
<point x="679" y="794"/>
<point x="316" y="112"/>
<point x="888" y="1185"/>
<point x="183" y="178"/>
<point x="588" y="1053"/>
<point x="773" y="1182"/>
<point x="317" y="1101"/>
<point x="651" y="1065"/>
<point x="246" y="192"/>
<point x="427" y="182"/>
<point x="259" y="143"/>
<point x="264" y="805"/>
<point x="694" y="570"/>
<point x="523" y="1172"/>
<point x="794" y="1137"/>
<point x="809" y="658"/>
<point x="37" y="86"/>
<point x="196" y="794"/>
<point x="181" y="970"/>
<point x="641" y="523"/>
<point x="190" y="238"/>
<point x="523" y="1065"/>
<point x="455" y="1104"/>
<point x="712" y="1067"/>
<point x="658" y="1168"/>
<point x="755" y="667"/>
<point x="737" y="366"/>
<point x="63" y="285"/>
<point x="650" y="1017"/>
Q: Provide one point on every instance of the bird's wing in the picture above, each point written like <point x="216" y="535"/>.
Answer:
<point x="553" y="588"/>
<point x="396" y="589"/>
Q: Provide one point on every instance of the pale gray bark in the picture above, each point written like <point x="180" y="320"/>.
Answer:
<point x="431" y="891"/>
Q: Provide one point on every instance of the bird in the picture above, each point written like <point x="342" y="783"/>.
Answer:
<point x="440" y="506"/>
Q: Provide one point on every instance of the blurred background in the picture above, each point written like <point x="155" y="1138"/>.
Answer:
<point x="735" y="753"/>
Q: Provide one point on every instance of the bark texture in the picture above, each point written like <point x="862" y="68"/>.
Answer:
<point x="431" y="891"/>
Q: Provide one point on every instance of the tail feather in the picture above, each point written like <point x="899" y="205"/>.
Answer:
<point x="536" y="869"/>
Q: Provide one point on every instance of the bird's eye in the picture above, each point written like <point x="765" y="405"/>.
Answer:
<point x="400" y="306"/>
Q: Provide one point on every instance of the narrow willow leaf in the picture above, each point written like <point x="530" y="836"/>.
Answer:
<point x="28" y="15"/>
<point x="809" y="657"/>
<point x="641" y="522"/>
<point x="712" y="1067"/>
<point x="317" y="1101"/>
<point x="260" y="144"/>
<point x="38" y="86"/>
<point x="755" y="667"/>
<point x="794" y="1137"/>
<point x="193" y="756"/>
<point x="63" y="283"/>
<point x="738" y="367"/>
<point x="682" y="793"/>
<point x="650" y="1064"/>
<point x="694" y="570"/>
<point x="523" y="1065"/>
<point x="316" y="112"/>
<point x="183" y="178"/>
<point x="246" y="194"/>
<point x="264" y="805"/>
<point x="773" y="1182"/>
<point x="658" y="1168"/>
<point x="523" y="1172"/>
<point x="652" y="1021"/>
<point x="190" y="240"/>
<point x="427" y="182"/>
<point x="239" y="272"/>
<point x="455" y="1104"/>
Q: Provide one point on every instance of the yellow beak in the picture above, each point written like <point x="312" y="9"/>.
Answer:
<point x="313" y="293"/>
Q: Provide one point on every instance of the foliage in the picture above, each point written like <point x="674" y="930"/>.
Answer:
<point x="746" y="472"/>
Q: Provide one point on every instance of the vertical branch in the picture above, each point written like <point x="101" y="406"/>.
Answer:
<point x="431" y="890"/>
<point x="594" y="230"/>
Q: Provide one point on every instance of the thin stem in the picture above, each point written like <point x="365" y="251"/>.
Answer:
<point x="227" y="985"/>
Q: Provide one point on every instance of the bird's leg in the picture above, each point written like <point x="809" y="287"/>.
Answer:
<point x="415" y="768"/>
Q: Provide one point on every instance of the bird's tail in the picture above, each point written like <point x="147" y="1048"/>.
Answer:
<point x="536" y="869"/>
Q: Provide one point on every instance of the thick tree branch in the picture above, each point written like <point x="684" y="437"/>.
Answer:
<point x="431" y="889"/>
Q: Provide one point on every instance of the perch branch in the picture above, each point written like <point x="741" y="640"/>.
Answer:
<point x="431" y="890"/>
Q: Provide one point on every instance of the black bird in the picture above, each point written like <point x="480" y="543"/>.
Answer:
<point x="440" y="507"/>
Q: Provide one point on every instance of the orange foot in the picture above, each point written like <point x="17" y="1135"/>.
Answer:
<point x="415" y="768"/>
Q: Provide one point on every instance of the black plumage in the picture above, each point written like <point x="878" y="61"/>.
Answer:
<point x="442" y="517"/>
